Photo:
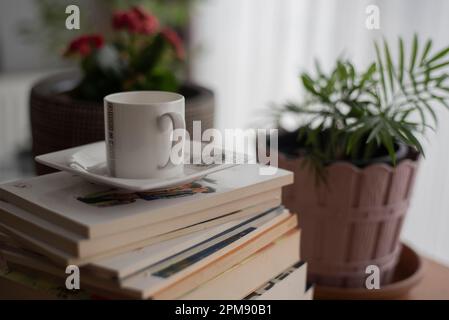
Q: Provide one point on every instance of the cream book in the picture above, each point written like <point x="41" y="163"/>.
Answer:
<point x="291" y="284"/>
<point x="185" y="270"/>
<point x="61" y="257"/>
<point x="131" y="262"/>
<point x="92" y="210"/>
<point x="128" y="263"/>
<point x="123" y="265"/>
<point x="247" y="276"/>
<point x="22" y="285"/>
<point x="78" y="247"/>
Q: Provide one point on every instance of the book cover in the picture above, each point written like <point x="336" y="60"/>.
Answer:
<point x="92" y="210"/>
<point x="179" y="273"/>
<point x="80" y="247"/>
<point x="288" y="285"/>
<point x="61" y="257"/>
<point x="245" y="277"/>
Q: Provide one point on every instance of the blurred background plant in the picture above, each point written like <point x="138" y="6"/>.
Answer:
<point x="139" y="55"/>
<point x="47" y="30"/>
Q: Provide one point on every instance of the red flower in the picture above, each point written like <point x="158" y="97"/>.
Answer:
<point x="135" y="20"/>
<point x="174" y="39"/>
<point x="84" y="45"/>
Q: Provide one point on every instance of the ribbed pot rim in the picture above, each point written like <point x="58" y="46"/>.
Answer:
<point x="410" y="159"/>
<point x="402" y="152"/>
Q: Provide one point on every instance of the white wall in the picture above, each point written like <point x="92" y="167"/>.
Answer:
<point x="16" y="53"/>
<point x="251" y="53"/>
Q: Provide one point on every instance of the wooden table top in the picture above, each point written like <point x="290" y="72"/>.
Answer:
<point x="434" y="284"/>
<point x="424" y="278"/>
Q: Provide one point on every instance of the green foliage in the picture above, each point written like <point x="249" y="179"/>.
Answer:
<point x="48" y="28"/>
<point x="174" y="13"/>
<point x="103" y="72"/>
<point x="138" y="63"/>
<point x="349" y="114"/>
<point x="152" y="67"/>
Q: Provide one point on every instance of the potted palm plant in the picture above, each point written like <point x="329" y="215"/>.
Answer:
<point x="67" y="109"/>
<point x="355" y="155"/>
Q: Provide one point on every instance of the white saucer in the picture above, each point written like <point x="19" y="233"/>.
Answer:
<point x="89" y="161"/>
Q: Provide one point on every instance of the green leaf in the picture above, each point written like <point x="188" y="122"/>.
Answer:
<point x="374" y="134"/>
<point x="425" y="52"/>
<point x="406" y="113"/>
<point x="438" y="66"/>
<point x="387" y="141"/>
<point x="414" y="141"/>
<point x="389" y="65"/>
<point x="308" y="83"/>
<point x="318" y="68"/>
<point x="414" y="53"/>
<point x="353" y="144"/>
<point x="367" y="75"/>
<point x="440" y="54"/>
<point x="341" y="69"/>
<point x="429" y="109"/>
<point x="401" y="61"/>
<point x="151" y="55"/>
<point x="404" y="134"/>
<point x="351" y="73"/>
<point x="381" y="71"/>
<point x="441" y="100"/>
<point x="440" y="80"/>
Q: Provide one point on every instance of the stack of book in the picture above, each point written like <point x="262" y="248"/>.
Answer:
<point x="223" y="237"/>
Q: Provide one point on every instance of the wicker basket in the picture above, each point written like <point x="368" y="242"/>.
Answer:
<point x="59" y="122"/>
<point x="353" y="221"/>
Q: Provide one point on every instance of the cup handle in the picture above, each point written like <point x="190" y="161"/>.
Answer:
<point x="178" y="123"/>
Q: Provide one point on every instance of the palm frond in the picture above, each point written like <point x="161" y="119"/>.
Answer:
<point x="349" y="114"/>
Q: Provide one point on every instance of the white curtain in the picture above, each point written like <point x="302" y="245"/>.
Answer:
<point x="250" y="53"/>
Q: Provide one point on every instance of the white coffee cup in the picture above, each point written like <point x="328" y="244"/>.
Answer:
<point x="139" y="128"/>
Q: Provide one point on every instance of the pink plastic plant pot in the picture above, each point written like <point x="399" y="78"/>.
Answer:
<point x="352" y="221"/>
